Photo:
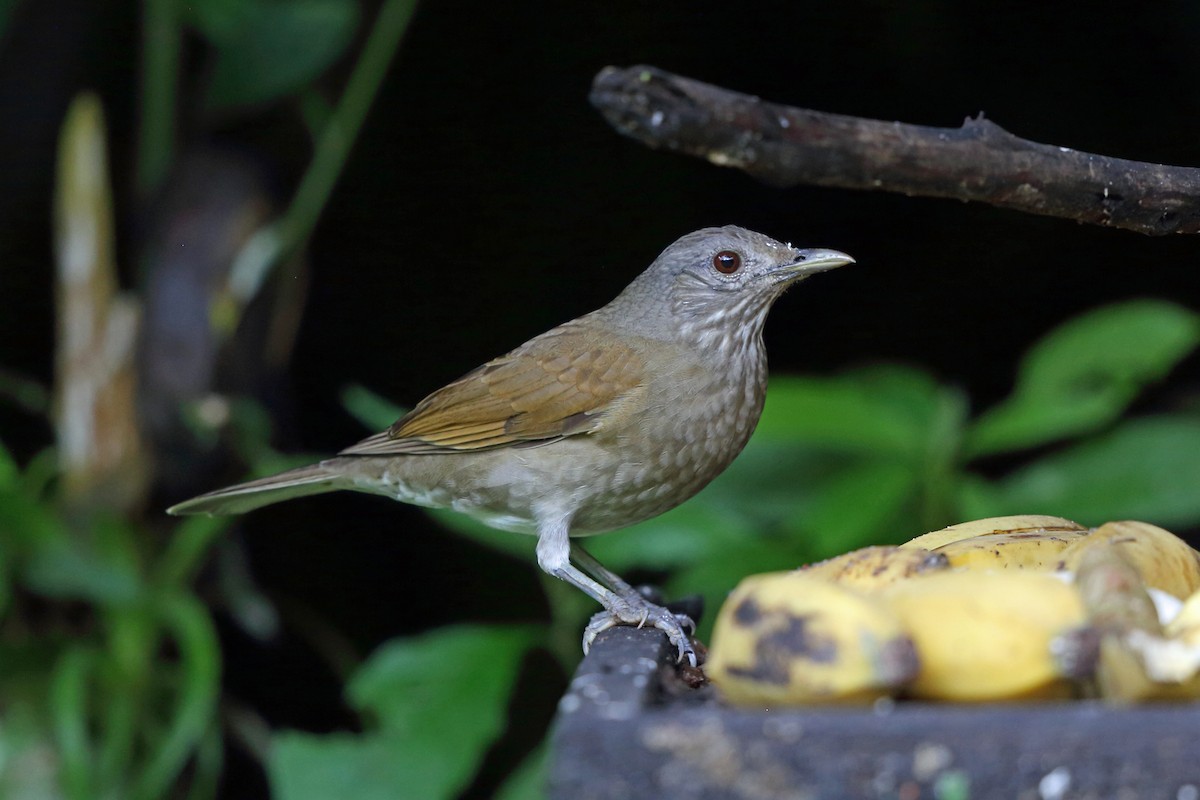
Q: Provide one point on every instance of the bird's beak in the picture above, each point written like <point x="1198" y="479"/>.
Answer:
<point x="809" y="262"/>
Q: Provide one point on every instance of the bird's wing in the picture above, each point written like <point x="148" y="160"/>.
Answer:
<point x="559" y="384"/>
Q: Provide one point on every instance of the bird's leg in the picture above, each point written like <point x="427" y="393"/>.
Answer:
<point x="623" y="605"/>
<point x="554" y="557"/>
<point x="632" y="607"/>
<point x="588" y="563"/>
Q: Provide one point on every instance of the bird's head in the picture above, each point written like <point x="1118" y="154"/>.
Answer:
<point x="718" y="282"/>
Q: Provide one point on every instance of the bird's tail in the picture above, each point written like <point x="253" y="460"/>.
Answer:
<point x="313" y="479"/>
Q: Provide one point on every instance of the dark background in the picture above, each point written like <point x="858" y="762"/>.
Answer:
<point x="487" y="201"/>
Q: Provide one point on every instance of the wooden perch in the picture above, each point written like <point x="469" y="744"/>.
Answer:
<point x="786" y="146"/>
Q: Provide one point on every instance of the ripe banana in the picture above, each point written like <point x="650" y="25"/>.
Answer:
<point x="973" y="612"/>
<point x="1162" y="559"/>
<point x="1036" y="550"/>
<point x="787" y="638"/>
<point x="991" y="635"/>
<point x="1020" y="524"/>
<point x="869" y="568"/>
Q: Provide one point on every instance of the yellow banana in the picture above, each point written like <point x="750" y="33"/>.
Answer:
<point x="1036" y="550"/>
<point x="969" y="613"/>
<point x="1162" y="559"/>
<point x="1024" y="523"/>
<point x="869" y="568"/>
<point x="787" y="638"/>
<point x="991" y="635"/>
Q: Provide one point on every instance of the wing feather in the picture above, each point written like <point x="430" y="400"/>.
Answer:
<point x="559" y="384"/>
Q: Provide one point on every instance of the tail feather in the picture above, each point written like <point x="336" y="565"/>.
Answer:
<point x="314" y="479"/>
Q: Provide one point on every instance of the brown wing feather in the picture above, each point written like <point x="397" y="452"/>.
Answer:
<point x="558" y="384"/>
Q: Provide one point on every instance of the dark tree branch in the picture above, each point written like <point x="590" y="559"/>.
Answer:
<point x="785" y="146"/>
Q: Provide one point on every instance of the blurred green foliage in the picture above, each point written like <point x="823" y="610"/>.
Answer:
<point x="109" y="660"/>
<point x="434" y="704"/>
<point x="93" y="709"/>
<point x="267" y="49"/>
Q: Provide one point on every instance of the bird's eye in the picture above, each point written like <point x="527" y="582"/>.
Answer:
<point x="727" y="262"/>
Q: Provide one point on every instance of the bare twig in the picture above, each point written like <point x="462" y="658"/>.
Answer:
<point x="275" y="242"/>
<point x="785" y="146"/>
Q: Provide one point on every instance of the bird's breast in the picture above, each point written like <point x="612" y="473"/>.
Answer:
<point x="688" y="431"/>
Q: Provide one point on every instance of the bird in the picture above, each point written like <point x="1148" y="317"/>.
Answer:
<point x="602" y="422"/>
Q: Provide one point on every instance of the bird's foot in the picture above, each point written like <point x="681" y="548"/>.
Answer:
<point x="633" y="609"/>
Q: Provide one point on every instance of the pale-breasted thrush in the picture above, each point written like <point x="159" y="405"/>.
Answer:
<point x="602" y="422"/>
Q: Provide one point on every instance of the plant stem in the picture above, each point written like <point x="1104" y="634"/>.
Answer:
<point x="275" y="243"/>
<point x="190" y="627"/>
<point x="68" y="708"/>
<point x="160" y="73"/>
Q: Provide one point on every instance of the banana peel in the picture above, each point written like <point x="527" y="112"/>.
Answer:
<point x="986" y="636"/>
<point x="789" y="639"/>
<point x="1036" y="550"/>
<point x="870" y="568"/>
<point x="992" y="526"/>
<point x="1162" y="559"/>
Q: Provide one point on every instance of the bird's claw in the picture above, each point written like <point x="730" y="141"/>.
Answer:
<point x="638" y="612"/>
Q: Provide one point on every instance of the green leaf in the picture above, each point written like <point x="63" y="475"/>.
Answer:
<point x="454" y="679"/>
<point x="528" y="780"/>
<point x="68" y="705"/>
<point x="1083" y="374"/>
<point x="75" y="573"/>
<point x="268" y="49"/>
<point x="438" y="701"/>
<point x="57" y="562"/>
<point x="10" y="473"/>
<point x="882" y="409"/>
<point x="218" y="20"/>
<point x="860" y="505"/>
<point x="1146" y="469"/>
<point x="304" y="766"/>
